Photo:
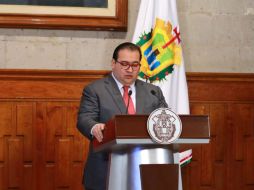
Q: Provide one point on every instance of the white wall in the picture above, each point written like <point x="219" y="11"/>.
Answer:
<point x="218" y="36"/>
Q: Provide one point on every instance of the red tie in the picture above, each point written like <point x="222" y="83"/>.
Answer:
<point x="131" y="109"/>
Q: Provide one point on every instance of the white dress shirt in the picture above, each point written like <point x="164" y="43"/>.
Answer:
<point x="132" y="88"/>
<point x="120" y="86"/>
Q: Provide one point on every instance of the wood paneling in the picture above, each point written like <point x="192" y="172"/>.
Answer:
<point x="40" y="147"/>
<point x="227" y="162"/>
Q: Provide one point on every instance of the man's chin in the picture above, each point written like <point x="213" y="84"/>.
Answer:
<point x="129" y="81"/>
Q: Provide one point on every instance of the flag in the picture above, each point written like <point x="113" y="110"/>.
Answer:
<point x="157" y="34"/>
<point x="183" y="158"/>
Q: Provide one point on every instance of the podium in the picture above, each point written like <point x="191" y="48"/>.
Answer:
<point x="138" y="163"/>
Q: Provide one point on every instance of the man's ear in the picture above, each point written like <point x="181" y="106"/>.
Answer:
<point x="113" y="62"/>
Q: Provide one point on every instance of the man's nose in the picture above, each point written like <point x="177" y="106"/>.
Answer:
<point x="130" y="69"/>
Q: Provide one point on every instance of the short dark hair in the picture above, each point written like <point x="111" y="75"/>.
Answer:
<point x="127" y="45"/>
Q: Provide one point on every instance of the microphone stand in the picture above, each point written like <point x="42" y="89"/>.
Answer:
<point x="155" y="94"/>
<point x="127" y="107"/>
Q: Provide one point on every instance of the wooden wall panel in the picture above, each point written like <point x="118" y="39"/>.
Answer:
<point x="249" y="162"/>
<point x="228" y="99"/>
<point x="40" y="147"/>
<point x="24" y="115"/>
<point x="63" y="162"/>
<point x="2" y="175"/>
<point x="28" y="174"/>
<point x="14" y="153"/>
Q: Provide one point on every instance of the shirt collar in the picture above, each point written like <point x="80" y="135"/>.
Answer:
<point x="120" y="85"/>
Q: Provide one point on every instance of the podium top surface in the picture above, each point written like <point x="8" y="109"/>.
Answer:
<point x="132" y="130"/>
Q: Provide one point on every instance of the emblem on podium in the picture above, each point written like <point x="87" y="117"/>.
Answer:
<point x="164" y="126"/>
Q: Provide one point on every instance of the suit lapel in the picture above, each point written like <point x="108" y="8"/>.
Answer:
<point x="113" y="90"/>
<point x="140" y="94"/>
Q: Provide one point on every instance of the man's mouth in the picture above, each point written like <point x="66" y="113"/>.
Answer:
<point x="128" y="76"/>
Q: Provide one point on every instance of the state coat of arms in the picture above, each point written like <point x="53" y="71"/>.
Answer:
<point x="161" y="50"/>
<point x="164" y="126"/>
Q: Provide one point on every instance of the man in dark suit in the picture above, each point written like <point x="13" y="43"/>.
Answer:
<point x="104" y="98"/>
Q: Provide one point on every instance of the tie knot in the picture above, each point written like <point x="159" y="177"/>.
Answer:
<point x="126" y="88"/>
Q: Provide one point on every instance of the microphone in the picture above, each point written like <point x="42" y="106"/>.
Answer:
<point x="129" y="95"/>
<point x="153" y="92"/>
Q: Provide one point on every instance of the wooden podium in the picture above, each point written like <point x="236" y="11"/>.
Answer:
<point x="136" y="162"/>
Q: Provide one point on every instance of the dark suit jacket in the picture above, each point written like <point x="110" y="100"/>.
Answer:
<point x="100" y="101"/>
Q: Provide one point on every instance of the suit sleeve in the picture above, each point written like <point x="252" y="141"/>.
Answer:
<point x="88" y="114"/>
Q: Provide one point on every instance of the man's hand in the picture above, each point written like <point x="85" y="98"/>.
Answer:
<point x="97" y="131"/>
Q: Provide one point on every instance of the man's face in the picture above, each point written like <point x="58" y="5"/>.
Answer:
<point x="123" y="75"/>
